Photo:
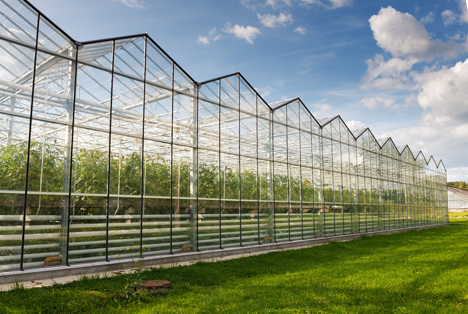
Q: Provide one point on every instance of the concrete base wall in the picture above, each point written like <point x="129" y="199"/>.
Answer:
<point x="91" y="268"/>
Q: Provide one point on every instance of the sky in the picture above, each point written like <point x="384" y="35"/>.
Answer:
<point x="399" y="67"/>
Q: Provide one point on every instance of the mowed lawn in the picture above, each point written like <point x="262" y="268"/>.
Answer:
<point x="412" y="272"/>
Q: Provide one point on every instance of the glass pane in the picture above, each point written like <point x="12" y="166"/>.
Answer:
<point x="129" y="56"/>
<point x="52" y="39"/>
<point x="54" y="88"/>
<point x="92" y="106"/>
<point x="158" y="66"/>
<point x="19" y="22"/>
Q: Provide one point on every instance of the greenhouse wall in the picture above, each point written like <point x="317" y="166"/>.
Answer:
<point x="110" y="150"/>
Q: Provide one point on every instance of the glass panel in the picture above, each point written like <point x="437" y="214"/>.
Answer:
<point x="53" y="89"/>
<point x="125" y="171"/>
<point x="208" y="200"/>
<point x="230" y="215"/>
<point x="247" y="98"/>
<point x="88" y="204"/>
<point x="46" y="233"/>
<point x="248" y="135"/>
<point x="158" y="66"/>
<point x="184" y="206"/>
<point x="129" y="56"/>
<point x="280" y="142"/>
<point x="265" y="149"/>
<point x="229" y="130"/>
<point x="124" y="227"/>
<point x="52" y="39"/>
<point x="281" y="202"/>
<point x="230" y="92"/>
<point x="158" y="113"/>
<point x="13" y="157"/>
<point x="92" y="106"/>
<point x="182" y="83"/>
<point x="99" y="54"/>
<point x="18" y="21"/>
<point x="15" y="78"/>
<point x="210" y="91"/>
<point x="208" y="125"/>
<point x="127" y="106"/>
<point x="184" y="125"/>
<point x="249" y="208"/>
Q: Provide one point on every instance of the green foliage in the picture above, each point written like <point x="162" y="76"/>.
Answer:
<point x="411" y="272"/>
<point x="459" y="184"/>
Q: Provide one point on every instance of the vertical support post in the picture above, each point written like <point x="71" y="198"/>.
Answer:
<point x="109" y="153"/>
<point x="31" y="107"/>
<point x="142" y="182"/>
<point x="271" y="183"/>
<point x="193" y="209"/>
<point x="172" y="161"/>
<point x="68" y="164"/>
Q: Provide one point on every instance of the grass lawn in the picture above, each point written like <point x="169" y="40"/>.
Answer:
<point x="458" y="215"/>
<point x="412" y="272"/>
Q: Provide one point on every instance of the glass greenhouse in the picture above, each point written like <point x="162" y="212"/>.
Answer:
<point x="110" y="145"/>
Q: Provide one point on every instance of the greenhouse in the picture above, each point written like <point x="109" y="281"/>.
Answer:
<point x="109" y="149"/>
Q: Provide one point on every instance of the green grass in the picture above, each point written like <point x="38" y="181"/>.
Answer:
<point x="458" y="215"/>
<point x="412" y="272"/>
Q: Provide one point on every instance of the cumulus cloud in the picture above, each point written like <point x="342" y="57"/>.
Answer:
<point x="402" y="35"/>
<point x="444" y="91"/>
<point x="273" y="21"/>
<point x="247" y="33"/>
<point x="448" y="17"/>
<point x="212" y="36"/>
<point x="439" y="90"/>
<point x="388" y="74"/>
<point x="301" y="30"/>
<point x="464" y="10"/>
<point x="355" y="125"/>
<point x="134" y="4"/>
<point x="429" y="18"/>
<point x="443" y="127"/>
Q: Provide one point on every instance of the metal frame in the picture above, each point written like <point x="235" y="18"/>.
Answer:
<point x="423" y="180"/>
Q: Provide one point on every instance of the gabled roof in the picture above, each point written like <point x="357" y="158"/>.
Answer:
<point x="273" y="106"/>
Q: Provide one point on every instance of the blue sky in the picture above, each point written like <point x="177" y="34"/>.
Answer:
<point x="399" y="67"/>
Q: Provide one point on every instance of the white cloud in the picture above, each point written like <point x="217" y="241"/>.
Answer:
<point x="457" y="174"/>
<point x="388" y="74"/>
<point x="275" y="4"/>
<point x="134" y="4"/>
<point x="449" y="17"/>
<point x="378" y="103"/>
<point x="212" y="36"/>
<point x="330" y="4"/>
<point x="429" y="18"/>
<point x="247" y="33"/>
<point x="355" y="125"/>
<point x="273" y="21"/>
<point x="443" y="128"/>
<point x="444" y="91"/>
<point x="402" y="35"/>
<point x="321" y="110"/>
<point x="278" y="3"/>
<point x="340" y="3"/>
<point x="301" y="30"/>
<point x="464" y="10"/>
